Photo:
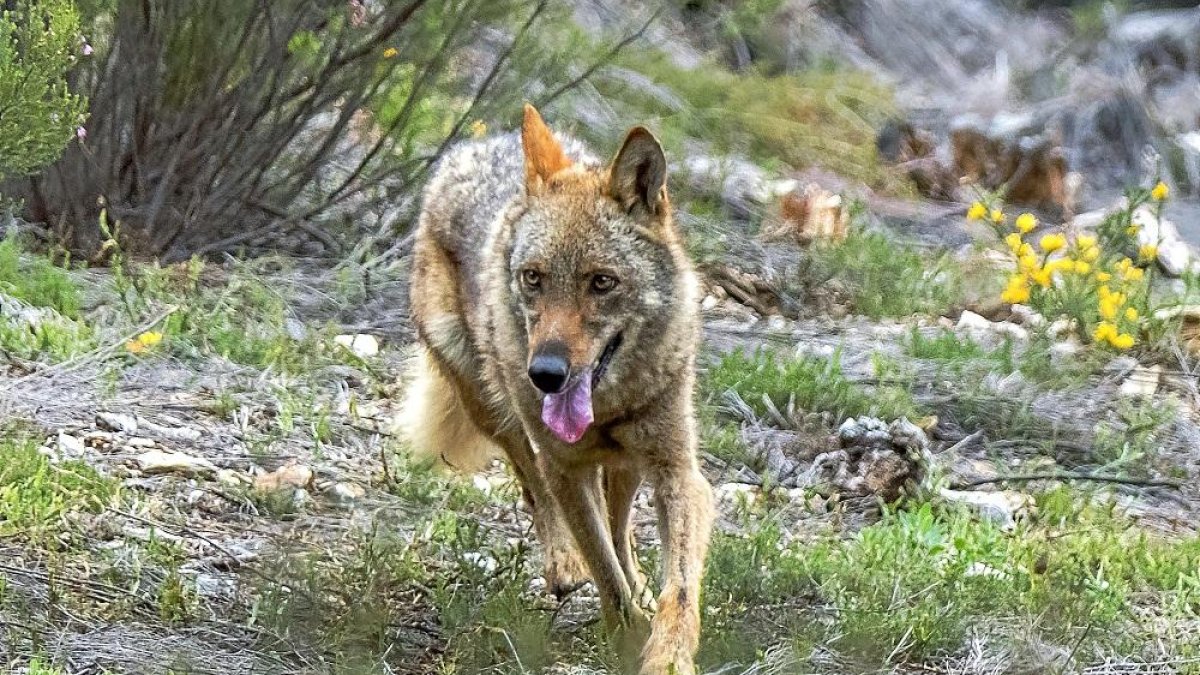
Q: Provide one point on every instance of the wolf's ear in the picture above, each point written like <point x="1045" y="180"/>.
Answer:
<point x="638" y="177"/>
<point x="544" y="157"/>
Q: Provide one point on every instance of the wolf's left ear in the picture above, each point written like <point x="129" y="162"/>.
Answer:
<point x="638" y="177"/>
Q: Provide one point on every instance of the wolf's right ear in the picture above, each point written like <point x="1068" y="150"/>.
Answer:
<point x="638" y="177"/>
<point x="544" y="156"/>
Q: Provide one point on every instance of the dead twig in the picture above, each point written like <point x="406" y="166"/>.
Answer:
<point x="1064" y="475"/>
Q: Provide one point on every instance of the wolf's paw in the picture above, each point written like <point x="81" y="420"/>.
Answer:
<point x="630" y="637"/>
<point x="564" y="570"/>
<point x="676" y="634"/>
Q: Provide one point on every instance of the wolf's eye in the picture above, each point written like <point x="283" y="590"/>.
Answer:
<point x="602" y="283"/>
<point x="531" y="278"/>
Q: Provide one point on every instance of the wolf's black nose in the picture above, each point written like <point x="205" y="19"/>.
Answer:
<point x="549" y="369"/>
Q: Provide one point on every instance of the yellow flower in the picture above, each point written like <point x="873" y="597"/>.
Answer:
<point x="478" y="129"/>
<point x="1061" y="264"/>
<point x="1148" y="252"/>
<point x="1103" y="277"/>
<point x="977" y="211"/>
<point x="143" y="342"/>
<point x="1104" y="332"/>
<point x="1085" y="241"/>
<point x="1134" y="274"/>
<point x="1017" y="290"/>
<point x="1108" y="309"/>
<point x="1082" y="267"/>
<point x="390" y="53"/>
<point x="1041" y="277"/>
<point x="1090" y="254"/>
<point x="1014" y="242"/>
<point x="1160" y="191"/>
<point x="1131" y="314"/>
<point x="1026" y="222"/>
<point x="1052" y="242"/>
<point x="997" y="216"/>
<point x="1132" y="230"/>
<point x="1026" y="250"/>
<point x="1122" y="341"/>
<point x="1028" y="262"/>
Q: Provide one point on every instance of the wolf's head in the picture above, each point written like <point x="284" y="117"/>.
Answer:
<point x="591" y="267"/>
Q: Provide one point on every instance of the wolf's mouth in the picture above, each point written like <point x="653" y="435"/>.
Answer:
<point x="605" y="359"/>
<point x="568" y="413"/>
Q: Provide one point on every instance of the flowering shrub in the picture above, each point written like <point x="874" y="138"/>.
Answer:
<point x="39" y="115"/>
<point x="1101" y="282"/>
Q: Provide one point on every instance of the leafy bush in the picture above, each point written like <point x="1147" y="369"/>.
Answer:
<point x="39" y="41"/>
<point x="218" y="121"/>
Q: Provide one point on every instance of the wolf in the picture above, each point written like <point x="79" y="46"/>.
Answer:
<point x="556" y="310"/>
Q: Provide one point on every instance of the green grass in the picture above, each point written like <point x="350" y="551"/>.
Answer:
<point x="886" y="278"/>
<point x="241" y="318"/>
<point x="36" y="281"/>
<point x="814" y="384"/>
<point x="913" y="585"/>
<point x="944" y="346"/>
<point x="348" y="600"/>
<point x="37" y="497"/>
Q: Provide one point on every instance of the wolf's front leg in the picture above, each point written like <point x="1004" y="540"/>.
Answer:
<point x="685" y="514"/>
<point x="577" y="490"/>
<point x="564" y="569"/>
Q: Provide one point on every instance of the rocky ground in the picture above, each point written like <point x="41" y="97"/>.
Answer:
<point x="199" y="473"/>
<point x="248" y="510"/>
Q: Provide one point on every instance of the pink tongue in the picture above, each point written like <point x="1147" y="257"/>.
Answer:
<point x="569" y="413"/>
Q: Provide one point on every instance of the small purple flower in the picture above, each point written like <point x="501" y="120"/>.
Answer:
<point x="87" y="49"/>
<point x="81" y="133"/>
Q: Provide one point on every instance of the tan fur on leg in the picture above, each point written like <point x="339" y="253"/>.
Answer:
<point x="685" y="513"/>
<point x="620" y="488"/>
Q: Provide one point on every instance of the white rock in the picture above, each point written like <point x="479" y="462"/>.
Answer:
<point x="1065" y="351"/>
<point x="970" y="321"/>
<point x="1028" y="316"/>
<point x="1142" y="382"/>
<point x="1173" y="253"/>
<point x="175" y="433"/>
<point x="347" y="492"/>
<point x="69" y="446"/>
<point x="709" y="302"/>
<point x="360" y="344"/>
<point x="778" y="323"/>
<point x="1003" y="507"/>
<point x="159" y="461"/>
<point x="482" y="484"/>
<point x="1011" y="330"/>
<point x="126" y="424"/>
<point x="736" y="493"/>
<point x="1061" y="327"/>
